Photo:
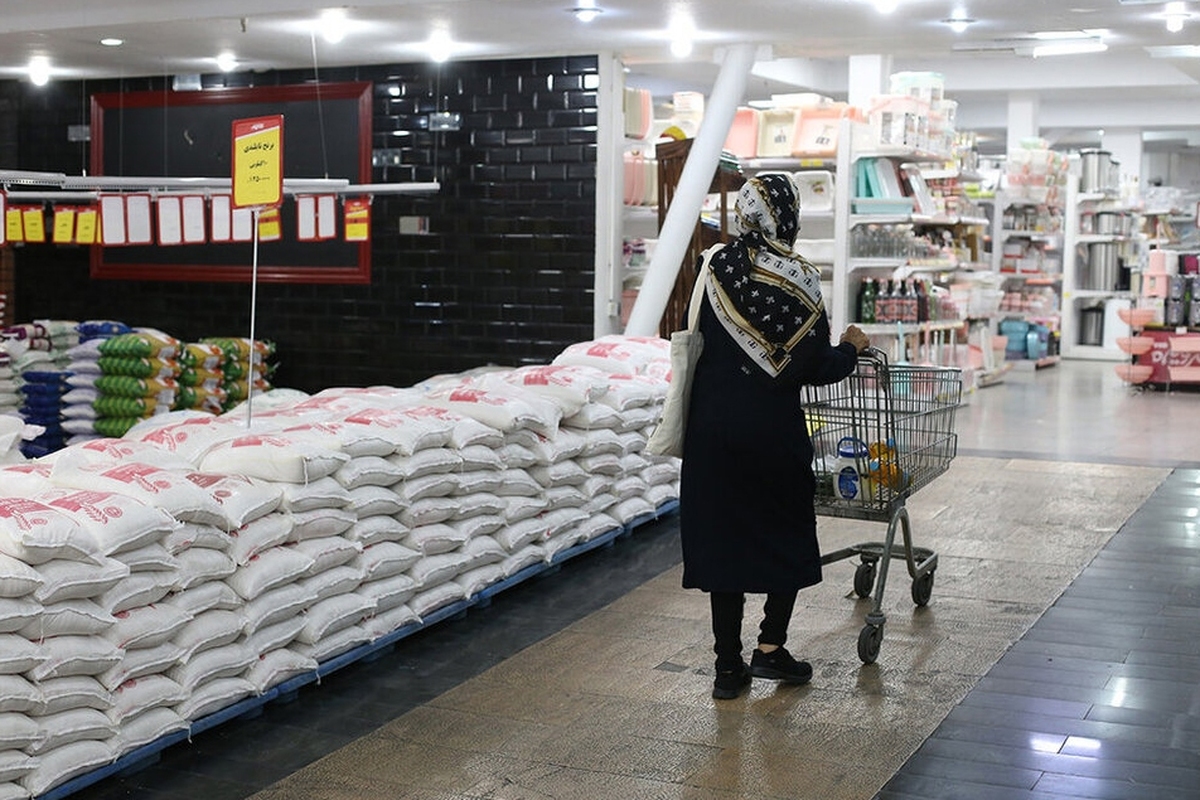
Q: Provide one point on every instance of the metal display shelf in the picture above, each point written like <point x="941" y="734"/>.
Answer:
<point x="287" y="690"/>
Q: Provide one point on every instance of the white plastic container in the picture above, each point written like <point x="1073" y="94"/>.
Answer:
<point x="847" y="480"/>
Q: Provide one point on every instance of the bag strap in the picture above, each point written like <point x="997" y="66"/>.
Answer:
<point x="698" y="287"/>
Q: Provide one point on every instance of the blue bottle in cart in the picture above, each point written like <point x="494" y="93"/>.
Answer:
<point x="847" y="482"/>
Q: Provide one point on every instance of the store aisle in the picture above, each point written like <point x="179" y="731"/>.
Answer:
<point x="594" y="682"/>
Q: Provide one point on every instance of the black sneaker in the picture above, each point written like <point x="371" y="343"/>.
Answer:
<point x="730" y="683"/>
<point x="779" y="665"/>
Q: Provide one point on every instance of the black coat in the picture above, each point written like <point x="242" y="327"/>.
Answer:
<point x="746" y="498"/>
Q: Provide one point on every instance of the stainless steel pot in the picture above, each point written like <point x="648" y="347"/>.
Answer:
<point x="1104" y="268"/>
<point x="1091" y="325"/>
<point x="1095" y="168"/>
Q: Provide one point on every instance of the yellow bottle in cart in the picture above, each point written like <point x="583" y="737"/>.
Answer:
<point x="847" y="482"/>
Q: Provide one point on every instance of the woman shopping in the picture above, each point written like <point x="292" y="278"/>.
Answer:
<point x="748" y="522"/>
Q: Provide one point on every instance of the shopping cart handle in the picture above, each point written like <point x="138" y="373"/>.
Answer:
<point x="873" y="355"/>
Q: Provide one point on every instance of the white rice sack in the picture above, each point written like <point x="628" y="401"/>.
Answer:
<point x="374" y="501"/>
<point x="147" y="727"/>
<point x="329" y="616"/>
<point x="328" y="552"/>
<point x="274" y="457"/>
<point x="17" y="731"/>
<point x="607" y="464"/>
<point x="18" y="612"/>
<point x="356" y="441"/>
<point x="214" y="696"/>
<point x="479" y="457"/>
<point x="429" y="511"/>
<point x="634" y="442"/>
<point x="385" y="559"/>
<point x="389" y="620"/>
<point x="503" y="411"/>
<point x="333" y="582"/>
<point x="17" y="578"/>
<point x="572" y="386"/>
<point x="242" y="499"/>
<point x="478" y="481"/>
<point x="274" y="636"/>
<point x="321" y="522"/>
<point x="190" y="534"/>
<point x="139" y="589"/>
<point x="480" y="525"/>
<point x="261" y="534"/>
<point x="139" y="663"/>
<point x="17" y="695"/>
<point x="528" y="556"/>
<point x="25" y="479"/>
<point x="226" y="661"/>
<point x="200" y="565"/>
<point x="483" y="550"/>
<point x="108" y="450"/>
<point x="562" y="473"/>
<point x="555" y="545"/>
<point x="69" y="618"/>
<point x="148" y="558"/>
<point x="78" y="691"/>
<point x="278" y="666"/>
<point x="516" y="456"/>
<point x="407" y="433"/>
<point x="147" y="626"/>
<point x="368" y="471"/>
<point x="206" y="631"/>
<point x="640" y="420"/>
<point x="388" y="593"/>
<point x="14" y="765"/>
<point x="611" y="354"/>
<point x="661" y="493"/>
<point x="202" y="597"/>
<point x="563" y="519"/>
<point x="593" y="416"/>
<point x="443" y="594"/>
<point x="602" y="441"/>
<point x="662" y="472"/>
<point x="480" y="504"/>
<point x="59" y="766"/>
<point x="566" y="445"/>
<point x="630" y="509"/>
<point x="476" y="580"/>
<point x="62" y="579"/>
<point x="75" y="655"/>
<point x="435" y="539"/>
<point x="187" y="434"/>
<point x="169" y="490"/>
<point x="268" y="570"/>
<point x="629" y="487"/>
<point x="516" y="483"/>
<point x="636" y="463"/>
<point x="18" y="654"/>
<point x="333" y="645"/>
<point x="547" y="410"/>
<point x="140" y="695"/>
<point x="321" y="493"/>
<point x="33" y="532"/>
<point x="596" y="525"/>
<point x="522" y="508"/>
<point x="429" y="571"/>
<point x="277" y="605"/>
<point x="373" y="530"/>
<point x="602" y="501"/>
<point x="564" y="497"/>
<point x="65" y="727"/>
<point x="436" y="485"/>
<point x="117" y="520"/>
<point x="430" y="461"/>
<point x="517" y="535"/>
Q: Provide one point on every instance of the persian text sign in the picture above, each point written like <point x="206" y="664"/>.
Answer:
<point x="258" y="161"/>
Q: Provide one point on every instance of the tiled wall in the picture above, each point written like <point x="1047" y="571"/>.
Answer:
<point x="505" y="276"/>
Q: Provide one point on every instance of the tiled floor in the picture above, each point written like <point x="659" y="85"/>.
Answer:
<point x="593" y="682"/>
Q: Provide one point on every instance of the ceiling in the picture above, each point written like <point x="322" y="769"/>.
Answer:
<point x="806" y="44"/>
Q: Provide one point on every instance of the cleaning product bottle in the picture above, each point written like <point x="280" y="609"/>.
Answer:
<point x="847" y="481"/>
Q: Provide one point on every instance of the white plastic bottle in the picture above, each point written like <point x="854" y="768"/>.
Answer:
<point x="847" y="482"/>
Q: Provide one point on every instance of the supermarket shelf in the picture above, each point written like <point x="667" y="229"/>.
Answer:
<point x="1094" y="353"/>
<point x="789" y="163"/>
<point x="878" y="263"/>
<point x="1096" y="238"/>
<point x="1086" y="294"/>
<point x="897" y="328"/>
<point x="914" y="219"/>
<point x="1037" y="236"/>
<point x="1034" y="278"/>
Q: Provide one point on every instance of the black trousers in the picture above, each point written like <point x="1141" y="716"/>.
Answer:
<point x="727" y="609"/>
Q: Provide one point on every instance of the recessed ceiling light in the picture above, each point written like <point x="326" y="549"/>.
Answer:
<point x="1071" y="48"/>
<point x="39" y="70"/>
<point x="333" y="25"/>
<point x="682" y="33"/>
<point x="958" y="24"/>
<point x="226" y="62"/>
<point x="112" y="42"/>
<point x="885" y="6"/>
<point x="439" y="45"/>
<point x="586" y="11"/>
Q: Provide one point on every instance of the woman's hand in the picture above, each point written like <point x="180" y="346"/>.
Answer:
<point x="856" y="337"/>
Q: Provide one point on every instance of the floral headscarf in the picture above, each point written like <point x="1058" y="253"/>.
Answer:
<point x="765" y="294"/>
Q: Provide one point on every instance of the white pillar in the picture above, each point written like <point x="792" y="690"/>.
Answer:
<point x="702" y="162"/>
<point x="1022" y="118"/>
<point x="610" y="192"/>
<point x="1125" y="145"/>
<point x="868" y="78"/>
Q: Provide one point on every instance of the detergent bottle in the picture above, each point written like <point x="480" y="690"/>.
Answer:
<point x="847" y="481"/>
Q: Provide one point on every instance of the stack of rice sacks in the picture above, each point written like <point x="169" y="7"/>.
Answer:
<point x="247" y="366"/>
<point x="138" y="378"/>
<point x="202" y="378"/>
<point x="10" y="398"/>
<point x="198" y="560"/>
<point x="40" y="350"/>
<point x="83" y="368"/>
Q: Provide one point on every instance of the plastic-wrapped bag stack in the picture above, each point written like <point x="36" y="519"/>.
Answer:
<point x="138" y="379"/>
<point x="42" y="390"/>
<point x="247" y="365"/>
<point x="202" y="378"/>
<point x="10" y="398"/>
<point x="83" y="366"/>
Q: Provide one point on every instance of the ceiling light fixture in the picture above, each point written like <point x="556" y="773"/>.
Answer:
<point x="1176" y="14"/>
<point x="112" y="41"/>
<point x="439" y="45"/>
<point x="1069" y="48"/>
<point x="586" y="11"/>
<point x="39" y="70"/>
<point x="682" y="33"/>
<point x="333" y="25"/>
<point x="226" y="62"/>
<point x="958" y="21"/>
<point x="885" y="6"/>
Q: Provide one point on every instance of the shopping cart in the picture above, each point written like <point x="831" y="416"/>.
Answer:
<point x="879" y="436"/>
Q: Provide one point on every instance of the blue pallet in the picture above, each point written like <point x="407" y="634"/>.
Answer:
<point x="288" y="688"/>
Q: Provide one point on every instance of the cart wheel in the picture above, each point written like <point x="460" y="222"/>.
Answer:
<point x="869" y="639"/>
<point x="922" y="589"/>
<point x="864" y="579"/>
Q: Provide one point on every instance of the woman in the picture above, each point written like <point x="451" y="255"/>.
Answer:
<point x="747" y="517"/>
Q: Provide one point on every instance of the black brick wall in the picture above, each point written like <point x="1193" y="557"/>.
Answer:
<point x="505" y="276"/>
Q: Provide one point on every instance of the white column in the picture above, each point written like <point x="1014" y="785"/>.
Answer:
<point x="702" y="162"/>
<point x="868" y="78"/>
<point x="1022" y="118"/>
<point x="1125" y="144"/>
<point x="610" y="193"/>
